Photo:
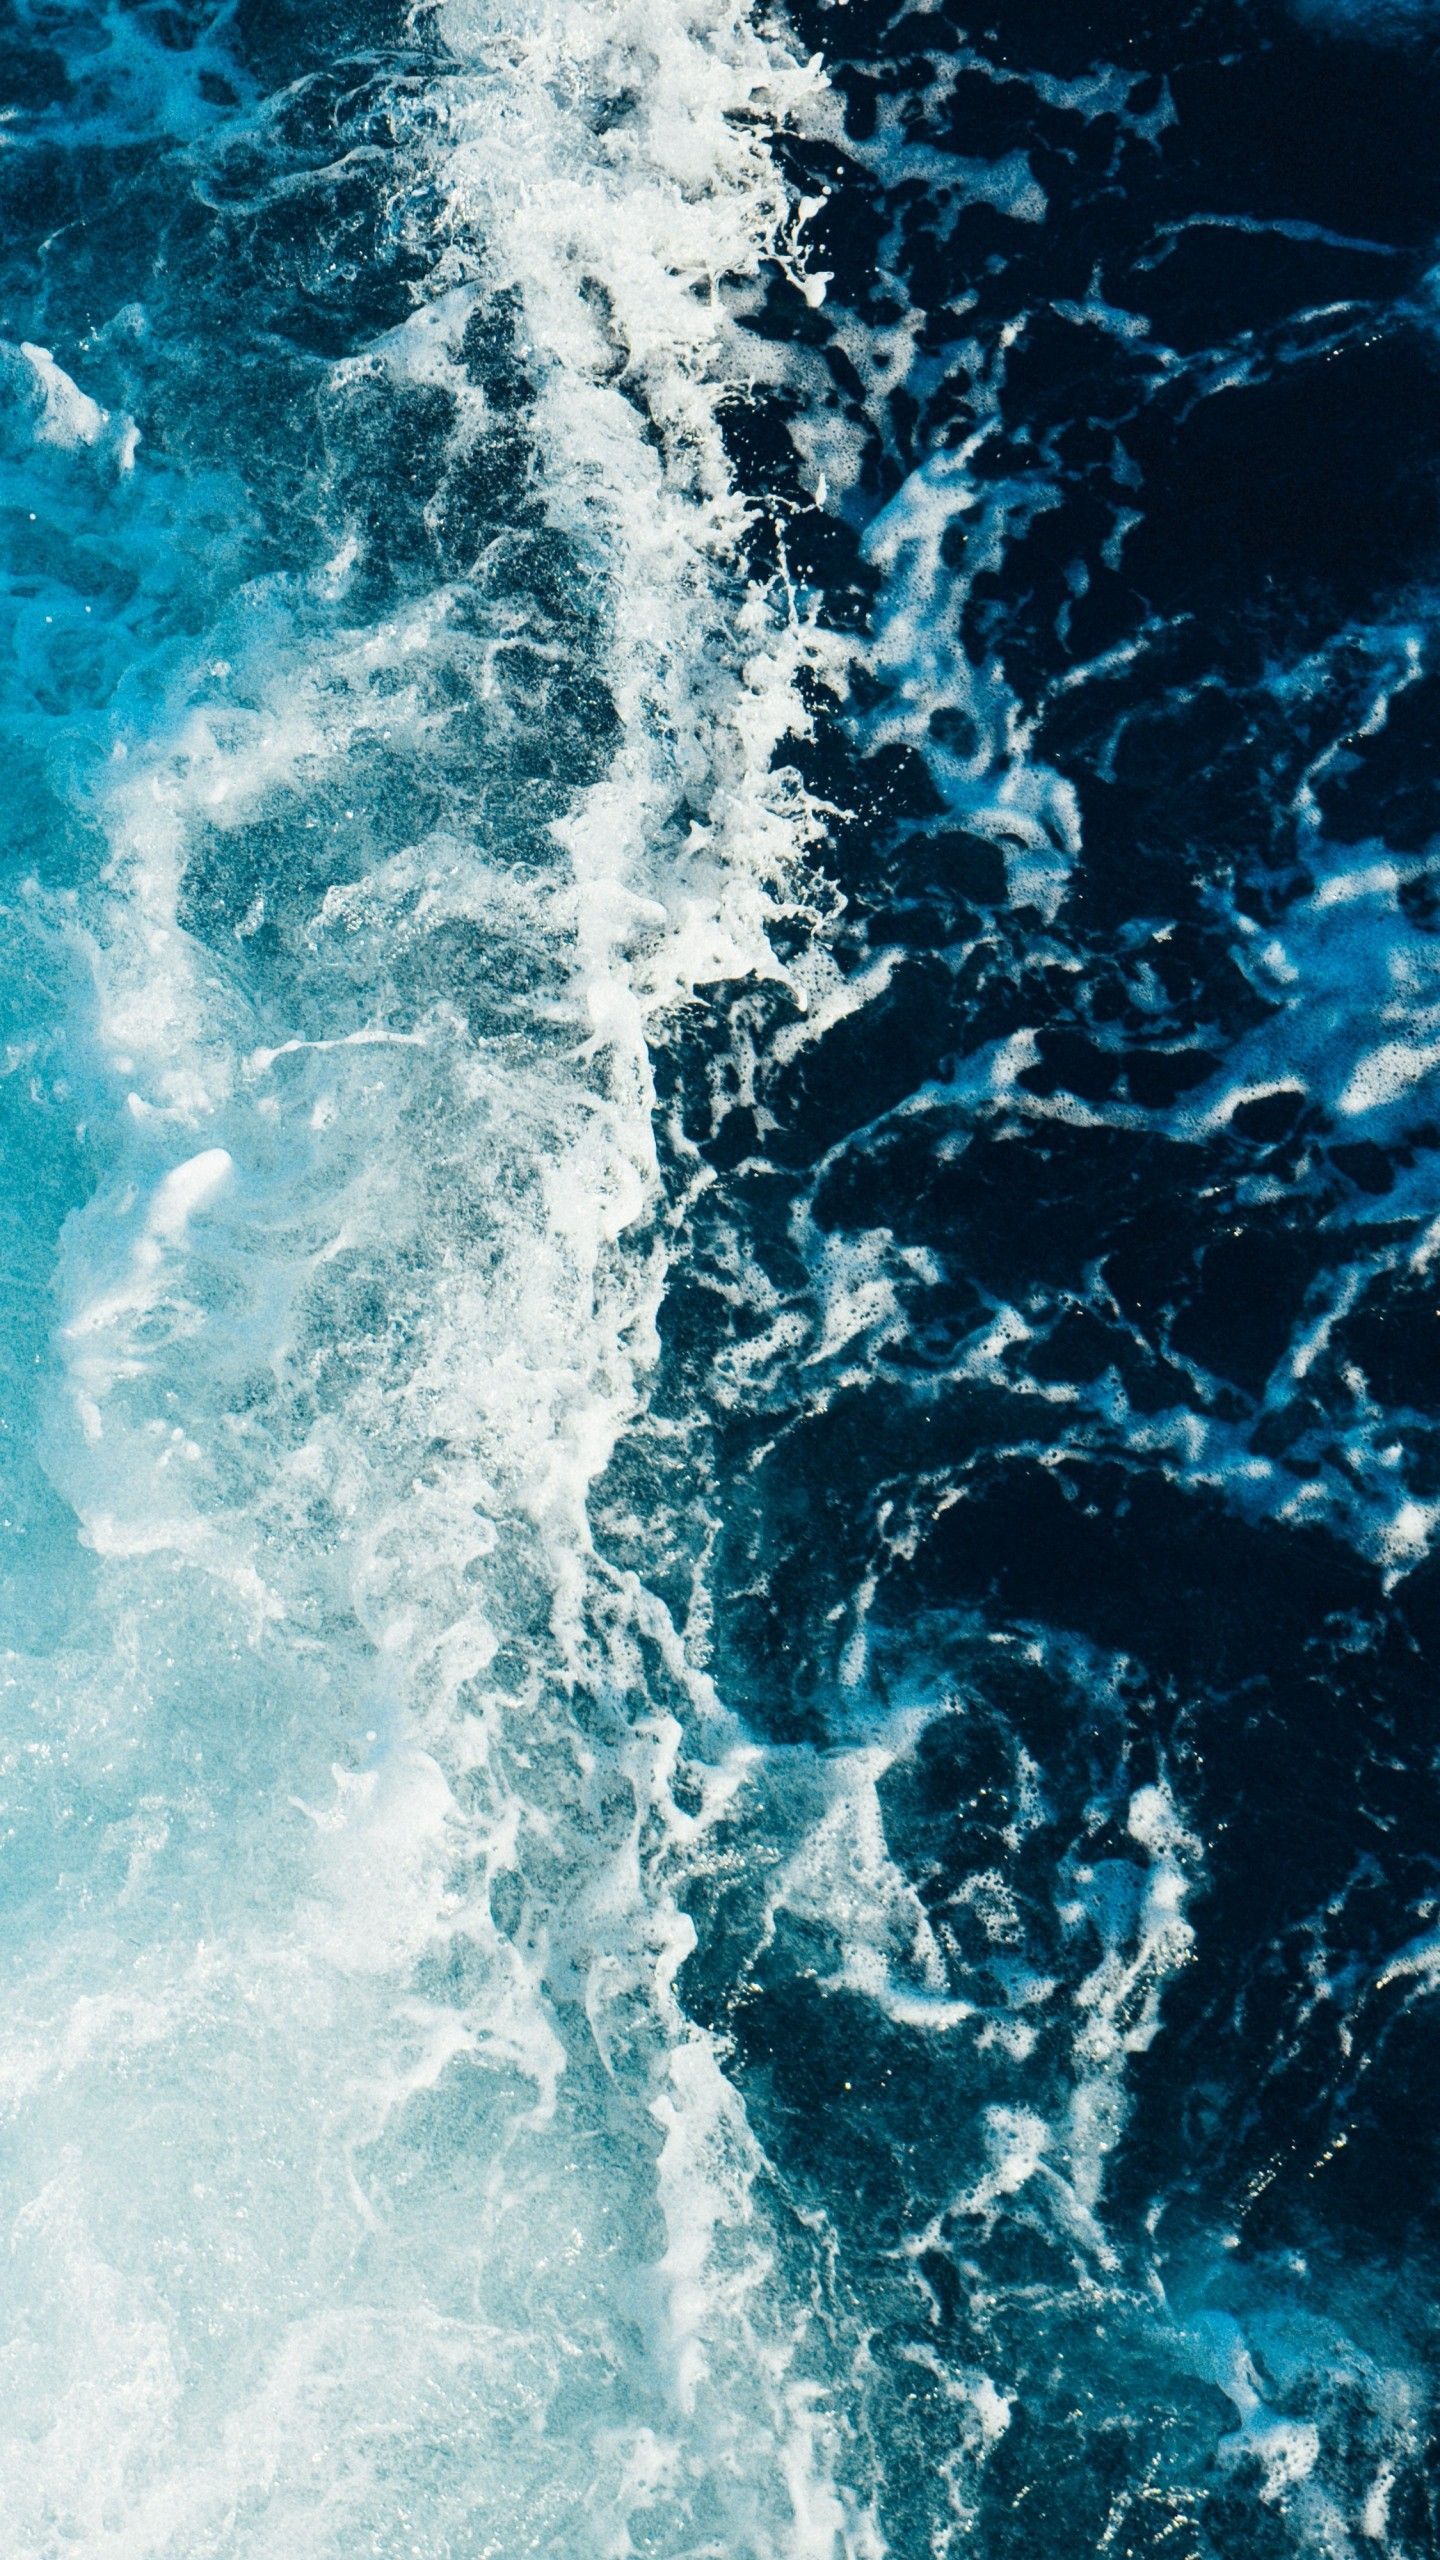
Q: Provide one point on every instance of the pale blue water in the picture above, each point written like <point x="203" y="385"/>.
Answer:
<point x="367" y="2189"/>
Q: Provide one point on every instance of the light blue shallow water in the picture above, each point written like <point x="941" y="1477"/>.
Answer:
<point x="382" y="750"/>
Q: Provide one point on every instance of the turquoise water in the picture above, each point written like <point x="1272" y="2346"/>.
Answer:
<point x="371" y="644"/>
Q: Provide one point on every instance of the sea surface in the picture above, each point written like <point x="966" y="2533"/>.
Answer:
<point x="720" y="1295"/>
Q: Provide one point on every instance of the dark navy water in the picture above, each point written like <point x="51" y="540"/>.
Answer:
<point x="722" y="1281"/>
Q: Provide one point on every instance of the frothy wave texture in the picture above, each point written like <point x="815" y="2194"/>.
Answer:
<point x="720" y="1030"/>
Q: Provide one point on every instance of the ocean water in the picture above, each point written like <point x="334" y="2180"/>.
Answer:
<point x="721" y="1320"/>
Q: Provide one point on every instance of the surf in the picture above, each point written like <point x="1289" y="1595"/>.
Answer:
<point x="371" y="2186"/>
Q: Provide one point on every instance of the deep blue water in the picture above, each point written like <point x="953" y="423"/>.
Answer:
<point x="721" y="1322"/>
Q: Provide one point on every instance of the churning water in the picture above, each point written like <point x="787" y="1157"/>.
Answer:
<point x="721" y="1336"/>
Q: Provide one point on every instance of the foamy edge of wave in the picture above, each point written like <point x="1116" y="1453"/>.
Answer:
<point x="704" y="671"/>
<point x="620" y="239"/>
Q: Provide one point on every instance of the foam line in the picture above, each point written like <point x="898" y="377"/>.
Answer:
<point x="392" y="2130"/>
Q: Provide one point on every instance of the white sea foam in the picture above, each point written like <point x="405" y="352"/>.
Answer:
<point x="370" y="2189"/>
<point x="988" y="778"/>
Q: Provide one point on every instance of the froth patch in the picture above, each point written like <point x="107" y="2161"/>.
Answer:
<point x="59" y="413"/>
<point x="352" y="1325"/>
